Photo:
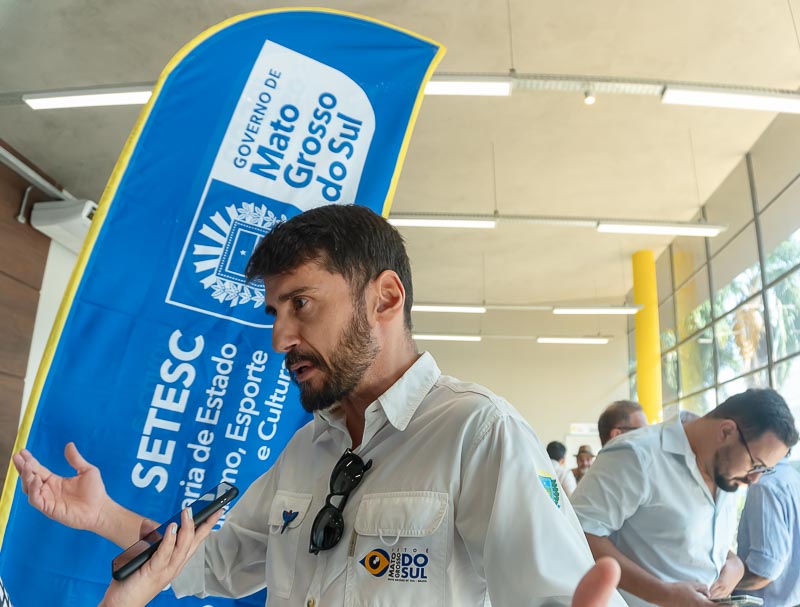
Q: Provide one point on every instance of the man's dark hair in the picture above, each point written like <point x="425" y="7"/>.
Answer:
<point x="557" y="451"/>
<point x="349" y="240"/>
<point x="616" y="414"/>
<point x="758" y="411"/>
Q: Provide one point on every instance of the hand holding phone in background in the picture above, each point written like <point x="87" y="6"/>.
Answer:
<point x="174" y="550"/>
<point x="200" y="510"/>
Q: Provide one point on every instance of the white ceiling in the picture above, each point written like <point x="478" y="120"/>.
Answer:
<point x="626" y="156"/>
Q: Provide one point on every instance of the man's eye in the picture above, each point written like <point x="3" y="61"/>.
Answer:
<point x="299" y="302"/>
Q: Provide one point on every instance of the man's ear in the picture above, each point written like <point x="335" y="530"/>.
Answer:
<point x="727" y="428"/>
<point x="390" y="295"/>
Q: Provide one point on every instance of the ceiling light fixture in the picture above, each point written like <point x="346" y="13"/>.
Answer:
<point x="597" y="310"/>
<point x="429" y="222"/>
<point x="592" y="341"/>
<point x="492" y="86"/>
<point x="445" y="308"/>
<point x="88" y="98"/>
<point x="659" y="228"/>
<point x="742" y="99"/>
<point x="421" y="337"/>
<point x="588" y="97"/>
<point x="617" y="226"/>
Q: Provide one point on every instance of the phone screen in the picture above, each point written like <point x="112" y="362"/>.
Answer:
<point x="138" y="553"/>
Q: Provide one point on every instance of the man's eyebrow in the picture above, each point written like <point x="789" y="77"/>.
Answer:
<point x="295" y="293"/>
<point x="287" y="296"/>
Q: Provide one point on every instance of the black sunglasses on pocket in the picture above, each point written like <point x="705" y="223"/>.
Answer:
<point x="328" y="525"/>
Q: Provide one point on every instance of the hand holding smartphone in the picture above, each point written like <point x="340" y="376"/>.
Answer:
<point x="140" y="552"/>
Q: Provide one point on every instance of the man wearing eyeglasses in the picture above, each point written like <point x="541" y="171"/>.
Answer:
<point x="769" y="538"/>
<point x="620" y="417"/>
<point x="660" y="500"/>
<point x="409" y="487"/>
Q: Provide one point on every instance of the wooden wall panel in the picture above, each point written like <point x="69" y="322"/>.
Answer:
<point x="23" y="255"/>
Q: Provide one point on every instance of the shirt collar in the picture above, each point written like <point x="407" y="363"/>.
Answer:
<point x="399" y="402"/>
<point x="674" y="440"/>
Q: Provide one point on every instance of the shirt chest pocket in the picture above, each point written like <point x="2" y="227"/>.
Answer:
<point x="286" y="516"/>
<point x="399" y="550"/>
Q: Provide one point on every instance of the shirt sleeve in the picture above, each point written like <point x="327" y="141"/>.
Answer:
<point x="612" y="490"/>
<point x="770" y="538"/>
<point x="231" y="562"/>
<point x="521" y="535"/>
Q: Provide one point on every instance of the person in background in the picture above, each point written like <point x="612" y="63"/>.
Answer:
<point x="769" y="538"/>
<point x="661" y="500"/>
<point x="620" y="417"/>
<point x="584" y="459"/>
<point x="558" y="455"/>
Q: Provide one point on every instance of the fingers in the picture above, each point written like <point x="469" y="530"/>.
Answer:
<point x="597" y="586"/>
<point x="31" y="473"/>
<point x="75" y="458"/>
<point x="202" y="531"/>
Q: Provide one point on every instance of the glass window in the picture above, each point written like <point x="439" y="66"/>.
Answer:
<point x="780" y="227"/>
<point x="786" y="379"/>
<point x="630" y="318"/>
<point x="784" y="316"/>
<point x="741" y="340"/>
<point x="666" y="324"/>
<point x="692" y="305"/>
<point x="730" y="205"/>
<point x="699" y="403"/>
<point x="688" y="255"/>
<point x="759" y="379"/>
<point x="632" y="387"/>
<point x="669" y="377"/>
<point x="631" y="352"/>
<point x="664" y="275"/>
<point x="696" y="362"/>
<point x="736" y="272"/>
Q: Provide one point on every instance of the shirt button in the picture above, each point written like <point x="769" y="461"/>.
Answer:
<point x="310" y="603"/>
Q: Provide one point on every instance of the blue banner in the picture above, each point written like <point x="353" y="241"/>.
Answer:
<point x="159" y="366"/>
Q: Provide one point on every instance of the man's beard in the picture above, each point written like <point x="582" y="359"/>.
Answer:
<point x="723" y="482"/>
<point x="349" y="361"/>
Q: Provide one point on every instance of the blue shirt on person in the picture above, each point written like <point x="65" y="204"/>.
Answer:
<point x="769" y="535"/>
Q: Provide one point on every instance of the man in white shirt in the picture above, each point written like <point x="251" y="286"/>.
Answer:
<point x="404" y="489"/>
<point x="660" y="499"/>
<point x="558" y="457"/>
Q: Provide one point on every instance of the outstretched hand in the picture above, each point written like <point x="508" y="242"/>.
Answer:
<point x="75" y="501"/>
<point x="597" y="586"/>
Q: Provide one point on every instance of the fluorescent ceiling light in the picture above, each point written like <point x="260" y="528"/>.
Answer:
<point x="453" y="309"/>
<point x="411" y="222"/>
<point x="447" y="337"/>
<point x="573" y="340"/>
<point x="88" y="98"/>
<point x="493" y="86"/>
<point x="602" y="310"/>
<point x="736" y="99"/>
<point x="667" y="229"/>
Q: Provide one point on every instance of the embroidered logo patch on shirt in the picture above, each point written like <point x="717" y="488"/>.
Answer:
<point x="401" y="565"/>
<point x="551" y="486"/>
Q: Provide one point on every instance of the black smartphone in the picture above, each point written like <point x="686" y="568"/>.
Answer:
<point x="138" y="554"/>
<point x="740" y="600"/>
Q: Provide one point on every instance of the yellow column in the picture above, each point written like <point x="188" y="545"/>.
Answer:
<point x="648" y="347"/>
